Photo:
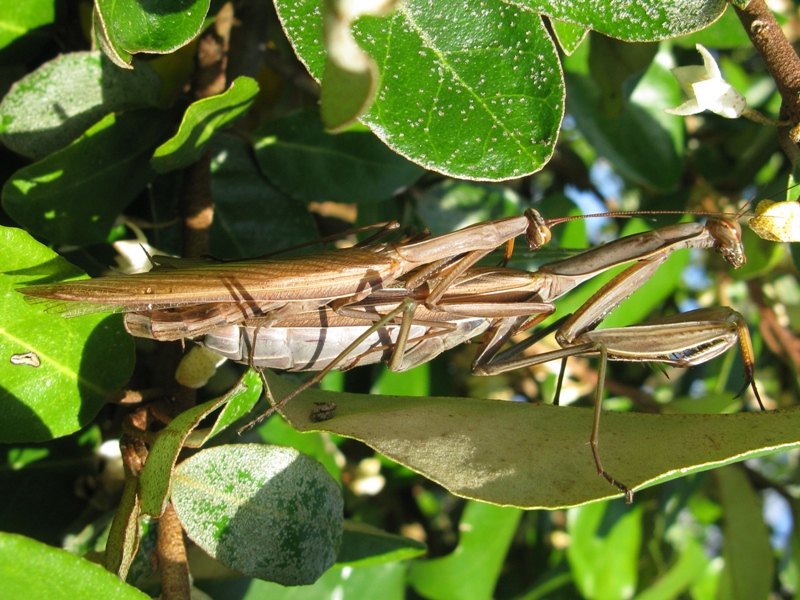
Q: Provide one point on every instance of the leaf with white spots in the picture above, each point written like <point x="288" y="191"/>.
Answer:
<point x="267" y="511"/>
<point x="472" y="91"/>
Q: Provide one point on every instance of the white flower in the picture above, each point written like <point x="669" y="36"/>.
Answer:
<point x="707" y="90"/>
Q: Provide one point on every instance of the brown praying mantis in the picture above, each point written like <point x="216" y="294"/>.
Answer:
<point x="460" y="303"/>
<point x="501" y="302"/>
<point x="186" y="298"/>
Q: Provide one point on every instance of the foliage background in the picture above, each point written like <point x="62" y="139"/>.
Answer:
<point x="73" y="164"/>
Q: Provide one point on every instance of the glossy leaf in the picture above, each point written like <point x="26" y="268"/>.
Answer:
<point x="266" y="511"/>
<point x="80" y="361"/>
<point x="200" y="121"/>
<point x="245" y="205"/>
<point x="364" y="545"/>
<point x="26" y="27"/>
<point x="569" y="36"/>
<point x="306" y="162"/>
<point x="31" y="569"/>
<point x="131" y="27"/>
<point x="471" y="571"/>
<point x="475" y="94"/>
<point x="156" y="477"/>
<point x="51" y="107"/>
<point x="75" y="195"/>
<point x="536" y="455"/>
<point x="643" y="21"/>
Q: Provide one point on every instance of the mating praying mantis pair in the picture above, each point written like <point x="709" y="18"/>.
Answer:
<point x="419" y="298"/>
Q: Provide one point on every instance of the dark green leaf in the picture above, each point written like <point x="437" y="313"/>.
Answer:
<point x="75" y="195"/>
<point x="266" y="511"/>
<point x="471" y="571"/>
<point x="364" y="545"/>
<point x="201" y="120"/>
<point x="26" y="27"/>
<point x="153" y="27"/>
<point x="80" y="361"/>
<point x="246" y="205"/>
<point x="49" y="108"/>
<point x="308" y="163"/>
<point x="387" y="580"/>
<point x="451" y="205"/>
<point x="641" y="141"/>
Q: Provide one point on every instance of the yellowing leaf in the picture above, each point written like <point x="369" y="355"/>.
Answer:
<point x="777" y="221"/>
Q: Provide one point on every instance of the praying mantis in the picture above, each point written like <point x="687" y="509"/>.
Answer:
<point x="438" y="293"/>
<point x="501" y="302"/>
<point x="186" y="298"/>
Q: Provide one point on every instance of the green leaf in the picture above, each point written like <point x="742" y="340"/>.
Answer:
<point x="727" y="32"/>
<point x="603" y="552"/>
<point x="472" y="570"/>
<point x="64" y="461"/>
<point x="346" y="582"/>
<point x="75" y="195"/>
<point x="156" y="476"/>
<point x="345" y="95"/>
<point x="690" y="568"/>
<point x="26" y="27"/>
<point x="364" y="545"/>
<point x="644" y="143"/>
<point x="30" y="569"/>
<point x="642" y="21"/>
<point x="245" y="205"/>
<point x="80" y="361"/>
<point x="49" y="108"/>
<point x="201" y="120"/>
<point x="266" y="511"/>
<point x="156" y="28"/>
<point x="450" y="205"/>
<point x="536" y="455"/>
<point x="316" y="445"/>
<point x="300" y="157"/>
<point x="569" y="36"/>
<point x="472" y="94"/>
<point x="749" y="562"/>
<point x="763" y="256"/>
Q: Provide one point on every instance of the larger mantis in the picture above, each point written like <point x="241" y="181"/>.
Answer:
<point x="188" y="298"/>
<point x="503" y="301"/>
